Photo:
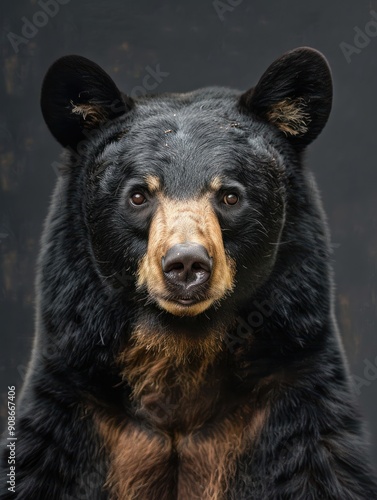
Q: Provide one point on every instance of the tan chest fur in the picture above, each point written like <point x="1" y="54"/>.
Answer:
<point x="182" y="438"/>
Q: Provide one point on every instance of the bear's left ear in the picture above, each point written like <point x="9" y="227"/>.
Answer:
<point x="294" y="94"/>
<point x="77" y="96"/>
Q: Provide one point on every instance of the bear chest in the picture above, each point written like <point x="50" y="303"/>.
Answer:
<point x="157" y="464"/>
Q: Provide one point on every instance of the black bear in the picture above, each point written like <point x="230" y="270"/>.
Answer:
<point x="186" y="345"/>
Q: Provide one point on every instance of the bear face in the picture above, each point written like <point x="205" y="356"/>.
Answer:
<point x="183" y="192"/>
<point x="175" y="180"/>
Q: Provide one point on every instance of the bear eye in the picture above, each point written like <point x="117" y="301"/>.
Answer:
<point x="137" y="199"/>
<point x="231" y="199"/>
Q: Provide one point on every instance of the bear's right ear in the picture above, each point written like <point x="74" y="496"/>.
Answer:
<point x="294" y="95"/>
<point x="77" y="96"/>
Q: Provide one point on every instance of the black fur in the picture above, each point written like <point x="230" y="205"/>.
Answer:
<point x="312" y="445"/>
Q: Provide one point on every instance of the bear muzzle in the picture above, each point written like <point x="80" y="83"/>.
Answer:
<point x="185" y="269"/>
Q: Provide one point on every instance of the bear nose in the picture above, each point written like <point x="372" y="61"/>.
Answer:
<point x="187" y="264"/>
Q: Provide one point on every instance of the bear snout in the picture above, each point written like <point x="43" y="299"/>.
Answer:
<point x="186" y="267"/>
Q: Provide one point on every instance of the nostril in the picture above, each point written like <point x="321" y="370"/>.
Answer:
<point x="200" y="266"/>
<point x="174" y="266"/>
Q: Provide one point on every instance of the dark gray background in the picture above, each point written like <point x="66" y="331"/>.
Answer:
<point x="196" y="48"/>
